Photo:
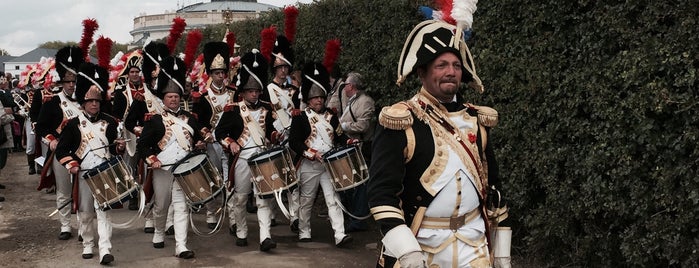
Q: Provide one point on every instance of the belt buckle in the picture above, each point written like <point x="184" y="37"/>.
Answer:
<point x="456" y="222"/>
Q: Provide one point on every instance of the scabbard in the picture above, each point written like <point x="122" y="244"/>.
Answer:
<point x="76" y="193"/>
<point x="47" y="180"/>
<point x="231" y="173"/>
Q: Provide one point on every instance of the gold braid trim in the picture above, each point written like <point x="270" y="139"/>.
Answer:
<point x="396" y="117"/>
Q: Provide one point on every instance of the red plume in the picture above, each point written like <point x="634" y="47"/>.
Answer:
<point x="176" y="31"/>
<point x="89" y="28"/>
<point x="230" y="40"/>
<point x="194" y="37"/>
<point x="332" y="52"/>
<point x="446" y="6"/>
<point x="104" y="50"/>
<point x="269" y="35"/>
<point x="290" y="15"/>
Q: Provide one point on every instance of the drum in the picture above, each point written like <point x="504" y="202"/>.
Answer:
<point x="199" y="179"/>
<point x="111" y="183"/>
<point x="346" y="166"/>
<point x="272" y="170"/>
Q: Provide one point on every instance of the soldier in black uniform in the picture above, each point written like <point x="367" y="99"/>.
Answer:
<point x="431" y="163"/>
<point x="143" y="106"/>
<point x="125" y="93"/>
<point x="168" y="138"/>
<point x="209" y="109"/>
<point x="53" y="116"/>
<point x="245" y="129"/>
<point x="314" y="132"/>
<point x="84" y="146"/>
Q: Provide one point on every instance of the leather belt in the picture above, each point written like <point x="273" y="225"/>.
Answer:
<point x="453" y="223"/>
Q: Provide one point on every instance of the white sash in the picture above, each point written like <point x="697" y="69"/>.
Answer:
<point x="153" y="103"/>
<point x="70" y="108"/>
<point x="256" y="133"/>
<point x="178" y="132"/>
<point x="217" y="102"/>
<point x="95" y="137"/>
<point x="323" y="141"/>
<point x="275" y="92"/>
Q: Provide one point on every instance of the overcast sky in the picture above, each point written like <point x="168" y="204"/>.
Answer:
<point x="29" y="23"/>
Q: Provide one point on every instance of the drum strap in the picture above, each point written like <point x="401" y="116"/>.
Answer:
<point x="320" y="128"/>
<point x="256" y="132"/>
<point x="178" y="127"/>
<point x="94" y="137"/>
<point x="217" y="103"/>
<point x="153" y="103"/>
<point x="275" y="92"/>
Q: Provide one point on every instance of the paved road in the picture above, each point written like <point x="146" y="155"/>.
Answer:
<point x="28" y="237"/>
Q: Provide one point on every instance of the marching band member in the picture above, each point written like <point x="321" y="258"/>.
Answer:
<point x="166" y="139"/>
<point x="284" y="98"/>
<point x="124" y="96"/>
<point x="315" y="131"/>
<point x="245" y="127"/>
<point x="144" y="105"/>
<point x="209" y="109"/>
<point x="433" y="165"/>
<point x="52" y="118"/>
<point x="84" y="146"/>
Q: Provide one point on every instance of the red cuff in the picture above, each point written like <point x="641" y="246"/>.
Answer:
<point x="310" y="153"/>
<point x="152" y="159"/>
<point x="49" y="138"/>
<point x="227" y="142"/>
<point x="72" y="164"/>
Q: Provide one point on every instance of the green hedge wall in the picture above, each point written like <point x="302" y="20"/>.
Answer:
<point x="598" y="114"/>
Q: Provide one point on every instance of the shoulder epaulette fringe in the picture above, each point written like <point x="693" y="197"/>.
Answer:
<point x="486" y="116"/>
<point x="396" y="117"/>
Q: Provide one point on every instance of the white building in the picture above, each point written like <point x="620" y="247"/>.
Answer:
<point x="197" y="15"/>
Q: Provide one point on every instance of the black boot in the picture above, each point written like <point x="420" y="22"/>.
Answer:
<point x="30" y="162"/>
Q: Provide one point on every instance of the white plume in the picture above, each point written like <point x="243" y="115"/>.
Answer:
<point x="462" y="11"/>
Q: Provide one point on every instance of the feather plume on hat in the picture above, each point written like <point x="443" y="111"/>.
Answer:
<point x="268" y="36"/>
<point x="194" y="37"/>
<point x="332" y="52"/>
<point x="291" y="13"/>
<point x="89" y="28"/>
<point x="178" y="25"/>
<point x="230" y="40"/>
<point x="104" y="49"/>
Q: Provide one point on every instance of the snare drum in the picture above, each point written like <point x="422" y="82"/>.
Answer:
<point x="272" y="170"/>
<point x="198" y="178"/>
<point x="347" y="167"/>
<point x="111" y="183"/>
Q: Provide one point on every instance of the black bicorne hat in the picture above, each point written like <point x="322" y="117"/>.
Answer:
<point x="282" y="53"/>
<point x="315" y="81"/>
<point x="253" y="72"/>
<point x="153" y="53"/>
<point x="92" y="83"/>
<point x="171" y="78"/>
<point x="68" y="60"/>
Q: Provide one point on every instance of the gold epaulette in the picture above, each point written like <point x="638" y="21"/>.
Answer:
<point x="396" y="116"/>
<point x="486" y="116"/>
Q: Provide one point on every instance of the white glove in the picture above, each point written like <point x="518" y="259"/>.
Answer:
<point x="413" y="259"/>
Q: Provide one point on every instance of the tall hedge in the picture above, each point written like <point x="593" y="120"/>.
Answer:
<point x="598" y="114"/>
<point x="598" y="104"/>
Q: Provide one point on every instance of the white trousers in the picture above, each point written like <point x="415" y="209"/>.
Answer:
<point x="311" y="175"/>
<point x="31" y="137"/>
<point x="89" y="210"/>
<point x="64" y="188"/>
<point x="167" y="192"/>
<point x="243" y="187"/>
<point x="219" y="159"/>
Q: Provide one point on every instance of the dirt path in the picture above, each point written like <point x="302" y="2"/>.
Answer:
<point x="29" y="238"/>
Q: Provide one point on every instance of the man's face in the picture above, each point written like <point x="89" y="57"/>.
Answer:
<point x="91" y="107"/>
<point x="135" y="76"/>
<point x="281" y="72"/>
<point x="442" y="76"/>
<point x="69" y="85"/>
<point x="349" y="89"/>
<point x="171" y="101"/>
<point x="217" y="77"/>
<point x="316" y="103"/>
<point x="251" y="95"/>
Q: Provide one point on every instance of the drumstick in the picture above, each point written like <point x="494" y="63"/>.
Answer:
<point x="126" y="140"/>
<point x="61" y="207"/>
<point x="167" y="165"/>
